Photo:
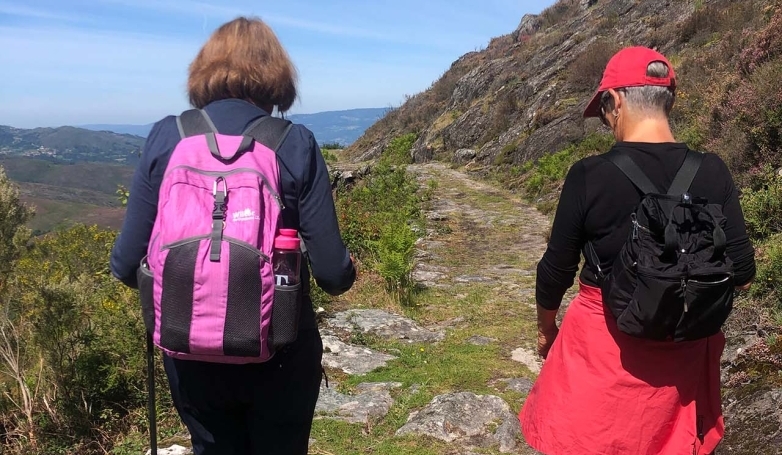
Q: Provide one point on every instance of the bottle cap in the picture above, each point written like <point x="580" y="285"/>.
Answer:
<point x="287" y="243"/>
<point x="289" y="233"/>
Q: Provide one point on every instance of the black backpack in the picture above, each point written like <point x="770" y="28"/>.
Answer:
<point x="672" y="279"/>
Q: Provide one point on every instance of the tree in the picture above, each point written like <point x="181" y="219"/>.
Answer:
<point x="13" y="238"/>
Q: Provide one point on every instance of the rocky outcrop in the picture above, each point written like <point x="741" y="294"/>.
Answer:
<point x="529" y="25"/>
<point x="371" y="401"/>
<point x="351" y="359"/>
<point x="385" y="325"/>
<point x="468" y="420"/>
<point x="516" y="99"/>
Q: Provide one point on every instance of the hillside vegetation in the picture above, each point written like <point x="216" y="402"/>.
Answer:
<point x="522" y="97"/>
<point x="69" y="144"/>
<point x="64" y="193"/>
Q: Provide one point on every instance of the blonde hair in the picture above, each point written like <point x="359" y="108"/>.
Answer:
<point x="243" y="59"/>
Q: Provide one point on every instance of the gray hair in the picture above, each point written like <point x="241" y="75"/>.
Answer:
<point x="650" y="99"/>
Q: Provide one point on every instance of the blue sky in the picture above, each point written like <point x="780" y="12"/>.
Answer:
<point x="70" y="62"/>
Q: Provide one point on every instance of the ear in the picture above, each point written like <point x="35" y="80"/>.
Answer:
<point x="617" y="99"/>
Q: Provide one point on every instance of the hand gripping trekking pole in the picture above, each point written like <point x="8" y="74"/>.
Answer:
<point x="151" y="395"/>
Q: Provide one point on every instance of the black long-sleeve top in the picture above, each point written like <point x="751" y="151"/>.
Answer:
<point x="306" y="190"/>
<point x="596" y="202"/>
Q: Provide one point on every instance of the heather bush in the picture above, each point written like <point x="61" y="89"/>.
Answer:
<point x="764" y="46"/>
<point x="559" y="12"/>
<point x="712" y="21"/>
<point x="753" y="108"/>
<point x="586" y="71"/>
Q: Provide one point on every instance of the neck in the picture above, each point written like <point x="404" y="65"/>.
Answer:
<point x="653" y="130"/>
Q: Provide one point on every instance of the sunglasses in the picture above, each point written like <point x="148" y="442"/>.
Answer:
<point x="603" y="117"/>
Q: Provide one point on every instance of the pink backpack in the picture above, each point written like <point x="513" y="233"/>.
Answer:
<point x="207" y="287"/>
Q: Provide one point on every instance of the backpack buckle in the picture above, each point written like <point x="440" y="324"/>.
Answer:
<point x="686" y="200"/>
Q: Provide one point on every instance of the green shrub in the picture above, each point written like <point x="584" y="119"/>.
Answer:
<point x="768" y="279"/>
<point x="83" y="339"/>
<point x="379" y="219"/>
<point x="398" y="150"/>
<point x="544" y="177"/>
<point x="388" y="193"/>
<point x="762" y="205"/>
<point x="332" y="146"/>
<point x="395" y="250"/>
<point x="328" y="155"/>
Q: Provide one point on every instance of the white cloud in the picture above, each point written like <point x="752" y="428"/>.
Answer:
<point x="15" y="9"/>
<point x="222" y="12"/>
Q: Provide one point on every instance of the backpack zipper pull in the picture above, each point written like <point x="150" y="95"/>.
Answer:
<point x="635" y="226"/>
<point x="684" y="291"/>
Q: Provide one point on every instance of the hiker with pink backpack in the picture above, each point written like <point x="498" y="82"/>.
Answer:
<point x="228" y="208"/>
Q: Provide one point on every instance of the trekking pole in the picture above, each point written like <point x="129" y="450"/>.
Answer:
<point x="151" y="394"/>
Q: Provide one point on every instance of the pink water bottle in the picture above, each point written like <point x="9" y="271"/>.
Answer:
<point x="286" y="258"/>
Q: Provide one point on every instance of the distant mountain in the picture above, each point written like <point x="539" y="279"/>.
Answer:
<point x="71" y="145"/>
<point x="342" y="127"/>
<point x="136" y="130"/>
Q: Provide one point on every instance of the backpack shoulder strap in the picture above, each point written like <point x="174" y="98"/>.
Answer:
<point x="269" y="131"/>
<point x="686" y="174"/>
<point x="633" y="172"/>
<point x="194" y="122"/>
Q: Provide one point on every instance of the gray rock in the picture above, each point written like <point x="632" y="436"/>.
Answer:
<point x="173" y="450"/>
<point x="428" y="278"/>
<point x="464" y="155"/>
<point x="472" y="279"/>
<point x="468" y="420"/>
<point x="528" y="358"/>
<point x="479" y="340"/>
<point x="375" y="150"/>
<point x="755" y="418"/>
<point x="351" y="359"/>
<point x="436" y="216"/>
<point x="372" y="401"/>
<point x="521" y="385"/>
<point x="421" y="152"/>
<point x="385" y="325"/>
<point x="530" y="23"/>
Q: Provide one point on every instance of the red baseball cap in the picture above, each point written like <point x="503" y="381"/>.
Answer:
<point x="627" y="68"/>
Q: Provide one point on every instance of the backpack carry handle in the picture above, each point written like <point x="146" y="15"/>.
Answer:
<point x="244" y="146"/>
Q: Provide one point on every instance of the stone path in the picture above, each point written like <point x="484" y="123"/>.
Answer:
<point x="482" y="218"/>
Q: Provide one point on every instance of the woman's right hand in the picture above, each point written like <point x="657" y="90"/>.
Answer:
<point x="546" y="338"/>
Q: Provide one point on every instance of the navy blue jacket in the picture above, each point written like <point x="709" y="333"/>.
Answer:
<point x="306" y="189"/>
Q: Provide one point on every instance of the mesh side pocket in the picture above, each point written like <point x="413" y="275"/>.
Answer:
<point x="285" y="316"/>
<point x="146" y="283"/>
<point x="242" y="333"/>
<point x="176" y="302"/>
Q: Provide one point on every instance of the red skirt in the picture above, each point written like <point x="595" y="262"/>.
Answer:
<point x="603" y="392"/>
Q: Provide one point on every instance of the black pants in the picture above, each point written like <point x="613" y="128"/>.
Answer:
<point x="258" y="409"/>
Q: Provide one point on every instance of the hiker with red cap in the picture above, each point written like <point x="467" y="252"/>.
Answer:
<point x="634" y="367"/>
